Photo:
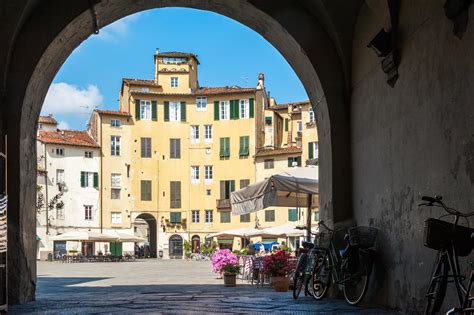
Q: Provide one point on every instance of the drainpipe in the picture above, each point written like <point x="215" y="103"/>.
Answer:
<point x="46" y="187"/>
<point x="308" y="218"/>
<point x="101" y="176"/>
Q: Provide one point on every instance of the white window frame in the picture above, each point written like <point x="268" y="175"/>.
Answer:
<point x="175" y="111"/>
<point x="89" y="179"/>
<point x="311" y="117"/>
<point x="88" y="213"/>
<point x="209" y="216"/>
<point x="88" y="154"/>
<point x="201" y="103"/>
<point x="60" y="151"/>
<point x="207" y="134"/>
<point x="208" y="174"/>
<point x="115" y="145"/>
<point x="145" y="110"/>
<point x="299" y="125"/>
<point x="315" y="149"/>
<point x="195" y="216"/>
<point x="174" y="82"/>
<point x="115" y="180"/>
<point x="195" y="174"/>
<point x="224" y="110"/>
<point x="60" y="176"/>
<point x="195" y="136"/>
<point x="115" y="122"/>
<point x="116" y="217"/>
<point x="244" y="112"/>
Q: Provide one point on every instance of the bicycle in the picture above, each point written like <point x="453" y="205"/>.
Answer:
<point x="304" y="268"/>
<point x="451" y="241"/>
<point x="349" y="268"/>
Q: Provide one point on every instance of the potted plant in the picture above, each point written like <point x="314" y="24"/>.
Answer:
<point x="230" y="274"/>
<point x="278" y="267"/>
<point x="221" y="258"/>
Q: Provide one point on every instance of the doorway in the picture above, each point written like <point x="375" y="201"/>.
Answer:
<point x="176" y="247"/>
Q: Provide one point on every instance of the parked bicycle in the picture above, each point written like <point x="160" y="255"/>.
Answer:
<point x="451" y="241"/>
<point x="349" y="267"/>
<point x="304" y="269"/>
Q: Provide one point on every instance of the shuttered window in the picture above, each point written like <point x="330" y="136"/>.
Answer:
<point x="154" y="111"/>
<point x="175" y="217"/>
<point x="244" y="183"/>
<point x="287" y="122"/>
<point x="227" y="186"/>
<point x="245" y="217"/>
<point x="90" y="179"/>
<point x="175" y="195"/>
<point x="244" y="146"/>
<point x="269" y="215"/>
<point x="225" y="216"/>
<point x="216" y="110"/>
<point x="251" y="108"/>
<point x="137" y="109"/>
<point x="224" y="147"/>
<point x="145" y="190"/>
<point x="175" y="148"/>
<point x="145" y="147"/>
<point x="294" y="160"/>
<point x="292" y="214"/>
<point x="269" y="163"/>
<point x="166" y="106"/>
<point x="183" y="111"/>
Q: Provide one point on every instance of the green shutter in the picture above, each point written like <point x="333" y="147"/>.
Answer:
<point x="244" y="146"/>
<point x="183" y="111"/>
<point x="237" y="109"/>
<point x="112" y="248"/>
<point x="227" y="147"/>
<point x="290" y="162"/>
<point x="96" y="180"/>
<point x="292" y="215"/>
<point x="232" y="186"/>
<point x="241" y="146"/>
<point x="251" y="109"/>
<point x="216" y="110"/>
<point x="153" y="111"/>
<point x="83" y="179"/>
<point x="167" y="111"/>
<point x="310" y="150"/>
<point x="222" y="143"/>
<point x="286" y="124"/>
<point x="137" y="109"/>
<point x="232" y="109"/>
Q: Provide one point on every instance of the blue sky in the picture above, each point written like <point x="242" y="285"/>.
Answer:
<point x="230" y="54"/>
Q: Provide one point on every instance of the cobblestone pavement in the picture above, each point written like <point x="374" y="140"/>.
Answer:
<point x="161" y="287"/>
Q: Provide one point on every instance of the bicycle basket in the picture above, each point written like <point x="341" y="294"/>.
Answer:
<point x="439" y="234"/>
<point x="323" y="239"/>
<point x="362" y="236"/>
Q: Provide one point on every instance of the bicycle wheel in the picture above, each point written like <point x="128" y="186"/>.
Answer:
<point x="356" y="281"/>
<point x="437" y="289"/>
<point x="320" y="278"/>
<point x="299" y="277"/>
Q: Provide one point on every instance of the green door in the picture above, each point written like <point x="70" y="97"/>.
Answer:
<point x="116" y="248"/>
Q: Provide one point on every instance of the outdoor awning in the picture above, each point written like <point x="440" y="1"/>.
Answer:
<point x="225" y="241"/>
<point x="285" y="230"/>
<point x="85" y="236"/>
<point x="235" y="232"/>
<point x="125" y="237"/>
<point x="288" y="189"/>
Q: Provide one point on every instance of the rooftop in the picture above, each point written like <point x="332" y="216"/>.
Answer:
<point x="140" y="82"/>
<point x="68" y="137"/>
<point x="280" y="151"/>
<point x="112" y="112"/>
<point x="204" y="91"/>
<point x="282" y="106"/>
<point x="177" y="54"/>
<point x="47" y="120"/>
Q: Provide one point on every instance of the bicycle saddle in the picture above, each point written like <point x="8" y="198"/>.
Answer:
<point x="308" y="245"/>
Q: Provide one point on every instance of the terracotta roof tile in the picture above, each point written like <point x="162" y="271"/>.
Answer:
<point x="68" y="137"/>
<point x="47" y="120"/>
<point x="281" y="151"/>
<point x="281" y="106"/>
<point x="112" y="112"/>
<point x="140" y="82"/>
<point x="223" y="90"/>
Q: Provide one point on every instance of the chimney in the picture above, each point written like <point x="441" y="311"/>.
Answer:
<point x="156" y="65"/>
<point x="261" y="81"/>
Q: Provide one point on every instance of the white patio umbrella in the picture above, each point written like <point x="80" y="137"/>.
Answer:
<point x="235" y="232"/>
<point x="286" y="230"/>
<point x="85" y="236"/>
<point x="125" y="237"/>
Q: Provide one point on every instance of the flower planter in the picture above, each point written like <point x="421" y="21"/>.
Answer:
<point x="281" y="284"/>
<point x="229" y="280"/>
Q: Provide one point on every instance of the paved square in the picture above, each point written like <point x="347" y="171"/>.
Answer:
<point x="161" y="287"/>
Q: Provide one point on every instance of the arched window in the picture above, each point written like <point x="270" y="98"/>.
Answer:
<point x="310" y="115"/>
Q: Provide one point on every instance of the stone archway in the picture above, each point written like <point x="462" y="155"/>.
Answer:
<point x="175" y="247"/>
<point x="32" y="69"/>
<point x="152" y="232"/>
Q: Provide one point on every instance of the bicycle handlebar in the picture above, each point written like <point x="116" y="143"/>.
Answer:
<point x="437" y="199"/>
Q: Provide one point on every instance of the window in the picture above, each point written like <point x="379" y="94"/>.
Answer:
<point x="268" y="121"/>
<point x="313" y="150"/>
<point x="145" y="147"/>
<point x="269" y="215"/>
<point x="175" y="111"/>
<point x="89" y="179"/>
<point x="225" y="217"/>
<point x="175" y="148"/>
<point x="299" y="125"/>
<point x="269" y="163"/>
<point x="227" y="186"/>
<point x="201" y="103"/>
<point x="174" y="81"/>
<point x="287" y="122"/>
<point x="244" y="183"/>
<point x="175" y="217"/>
<point x="115" y="145"/>
<point x="207" y="133"/>
<point x="244" y="146"/>
<point x="40" y="126"/>
<point x="195" y="174"/>
<point x="60" y="176"/>
<point x="60" y="213"/>
<point x="209" y="216"/>
<point x="224" y="110"/>
<point x="88" y="154"/>
<point x="145" y="189"/>
<point x="175" y="195"/>
<point x="310" y="115"/>
<point x="115" y="179"/>
<point x="245" y="217"/>
<point x="208" y="175"/>
<point x="194" y="134"/>
<point x="208" y="192"/>
<point x="116" y="217"/>
<point x="293" y="215"/>
<point x="145" y="110"/>
<point x="244" y="109"/>
<point x="316" y="216"/>
<point x="115" y="123"/>
<point x="115" y="193"/>
<point x="60" y="151"/>
<point x="194" y="216"/>
<point x="174" y="60"/>
<point x="87" y="212"/>
<point x="225" y="147"/>
<point x="294" y="161"/>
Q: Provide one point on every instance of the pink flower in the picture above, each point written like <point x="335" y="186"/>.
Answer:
<point x="221" y="258"/>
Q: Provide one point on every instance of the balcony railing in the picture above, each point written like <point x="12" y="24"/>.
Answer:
<point x="223" y="203"/>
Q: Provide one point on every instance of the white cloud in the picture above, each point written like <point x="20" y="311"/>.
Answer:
<point x="118" y="29"/>
<point x="63" y="125"/>
<point x="63" y="98"/>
